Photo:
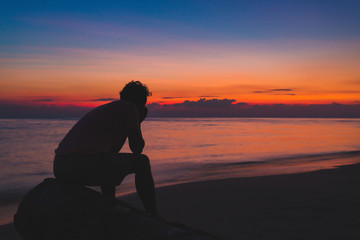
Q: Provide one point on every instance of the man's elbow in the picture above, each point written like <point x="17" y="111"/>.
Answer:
<point x="137" y="148"/>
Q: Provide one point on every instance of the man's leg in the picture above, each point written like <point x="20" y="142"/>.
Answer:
<point x="97" y="172"/>
<point x="128" y="163"/>
<point x="145" y="184"/>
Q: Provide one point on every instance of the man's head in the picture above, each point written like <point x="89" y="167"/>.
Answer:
<point x="136" y="93"/>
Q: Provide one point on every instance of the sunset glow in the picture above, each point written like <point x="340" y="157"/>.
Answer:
<point x="69" y="56"/>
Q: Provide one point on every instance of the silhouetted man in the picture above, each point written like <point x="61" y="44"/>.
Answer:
<point x="89" y="153"/>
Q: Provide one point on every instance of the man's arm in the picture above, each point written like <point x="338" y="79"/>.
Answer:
<point x="136" y="141"/>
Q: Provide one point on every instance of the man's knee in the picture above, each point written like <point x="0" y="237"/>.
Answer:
<point x="142" y="163"/>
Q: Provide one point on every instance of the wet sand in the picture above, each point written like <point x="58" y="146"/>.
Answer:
<point x="323" y="204"/>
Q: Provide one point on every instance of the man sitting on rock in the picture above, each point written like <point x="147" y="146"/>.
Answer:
<point x="89" y="153"/>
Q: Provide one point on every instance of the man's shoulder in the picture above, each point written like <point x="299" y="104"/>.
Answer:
<point x="123" y="105"/>
<point x="111" y="112"/>
<point x="117" y="109"/>
<point x="118" y="104"/>
<point x="124" y="109"/>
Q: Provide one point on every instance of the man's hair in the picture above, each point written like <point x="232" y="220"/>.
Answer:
<point x="135" y="92"/>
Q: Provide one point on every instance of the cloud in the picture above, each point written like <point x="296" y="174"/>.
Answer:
<point x="229" y="108"/>
<point x="210" y="103"/>
<point x="172" y="97"/>
<point x="277" y="91"/>
<point x="205" y="96"/>
<point x="103" y="99"/>
<point x="242" y="104"/>
<point x="201" y="108"/>
<point x="354" y="82"/>
<point x="44" y="100"/>
<point x="21" y="110"/>
<point x="208" y="96"/>
<point x="281" y="90"/>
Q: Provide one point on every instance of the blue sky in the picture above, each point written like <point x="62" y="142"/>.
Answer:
<point x="80" y="23"/>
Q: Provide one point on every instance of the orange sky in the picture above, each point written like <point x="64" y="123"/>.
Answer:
<point x="66" y="52"/>
<point x="253" y="72"/>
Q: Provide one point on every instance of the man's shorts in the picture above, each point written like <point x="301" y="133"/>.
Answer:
<point x="94" y="169"/>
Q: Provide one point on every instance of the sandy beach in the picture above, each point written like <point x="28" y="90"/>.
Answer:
<point x="324" y="204"/>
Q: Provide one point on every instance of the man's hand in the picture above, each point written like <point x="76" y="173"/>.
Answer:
<point x="143" y="114"/>
<point x="136" y="141"/>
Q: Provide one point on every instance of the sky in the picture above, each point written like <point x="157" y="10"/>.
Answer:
<point x="69" y="54"/>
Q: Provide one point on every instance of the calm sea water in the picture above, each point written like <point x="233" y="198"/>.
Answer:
<point x="185" y="150"/>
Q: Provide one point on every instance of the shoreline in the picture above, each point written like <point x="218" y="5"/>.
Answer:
<point x="321" y="204"/>
<point x="263" y="168"/>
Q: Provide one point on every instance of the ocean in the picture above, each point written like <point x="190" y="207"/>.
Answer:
<point x="185" y="150"/>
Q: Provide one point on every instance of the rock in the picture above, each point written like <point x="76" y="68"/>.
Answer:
<point x="56" y="210"/>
